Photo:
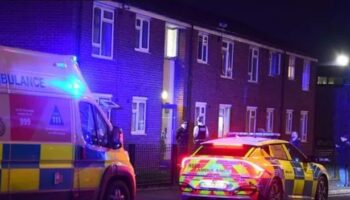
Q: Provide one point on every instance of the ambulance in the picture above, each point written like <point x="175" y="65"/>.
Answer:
<point x="55" y="140"/>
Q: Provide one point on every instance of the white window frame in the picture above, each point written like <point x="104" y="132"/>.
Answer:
<point x="226" y="119"/>
<point x="140" y="28"/>
<point x="200" y="105"/>
<point x="253" y="56"/>
<point x="227" y="64"/>
<point x="306" y="75"/>
<point x="171" y="44"/>
<point x="106" y="20"/>
<point x="106" y="103"/>
<point x="291" y="67"/>
<point x="205" y="43"/>
<point x="269" y="119"/>
<point x="138" y="101"/>
<point x="304" y="125"/>
<point x="249" y="117"/>
<point x="289" y="121"/>
<point x="278" y="70"/>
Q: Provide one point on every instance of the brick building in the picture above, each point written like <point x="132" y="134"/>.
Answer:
<point x="134" y="56"/>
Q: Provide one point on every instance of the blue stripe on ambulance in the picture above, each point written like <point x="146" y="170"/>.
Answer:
<point x="298" y="170"/>
<point x="22" y="155"/>
<point x="86" y="157"/>
<point x="47" y="179"/>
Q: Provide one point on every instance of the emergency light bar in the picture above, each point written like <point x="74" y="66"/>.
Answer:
<point x="257" y="134"/>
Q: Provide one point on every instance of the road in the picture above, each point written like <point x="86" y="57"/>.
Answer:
<point x="173" y="194"/>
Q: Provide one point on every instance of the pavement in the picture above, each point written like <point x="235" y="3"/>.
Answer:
<point x="173" y="193"/>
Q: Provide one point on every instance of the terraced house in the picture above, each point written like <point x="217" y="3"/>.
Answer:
<point x="159" y="67"/>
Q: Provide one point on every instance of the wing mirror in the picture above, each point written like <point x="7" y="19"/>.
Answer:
<point x="116" y="140"/>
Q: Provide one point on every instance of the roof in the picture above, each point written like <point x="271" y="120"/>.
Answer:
<point x="187" y="14"/>
<point x="253" y="141"/>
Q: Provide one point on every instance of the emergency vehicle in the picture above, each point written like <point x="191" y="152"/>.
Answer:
<point x="55" y="141"/>
<point x="251" y="168"/>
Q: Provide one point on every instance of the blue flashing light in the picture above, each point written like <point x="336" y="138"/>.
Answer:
<point x="75" y="59"/>
<point x="71" y="85"/>
<point x="61" y="65"/>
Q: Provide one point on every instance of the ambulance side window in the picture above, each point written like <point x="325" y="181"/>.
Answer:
<point x="102" y="129"/>
<point x="295" y="154"/>
<point x="87" y="122"/>
<point x="278" y="152"/>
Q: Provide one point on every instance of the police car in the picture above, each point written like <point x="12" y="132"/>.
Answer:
<point x="251" y="168"/>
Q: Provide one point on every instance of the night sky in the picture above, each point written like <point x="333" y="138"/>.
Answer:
<point x="320" y="28"/>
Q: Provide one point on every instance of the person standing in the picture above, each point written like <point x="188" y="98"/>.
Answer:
<point x="294" y="140"/>
<point x="342" y="150"/>
<point x="182" y="138"/>
<point x="200" y="132"/>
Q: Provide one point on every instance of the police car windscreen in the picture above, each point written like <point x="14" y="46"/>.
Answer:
<point x="212" y="150"/>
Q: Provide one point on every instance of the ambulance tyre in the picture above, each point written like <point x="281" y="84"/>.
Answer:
<point x="117" y="190"/>
<point x="275" y="191"/>
<point x="322" y="189"/>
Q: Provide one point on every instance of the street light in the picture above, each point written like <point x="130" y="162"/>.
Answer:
<point x="342" y="60"/>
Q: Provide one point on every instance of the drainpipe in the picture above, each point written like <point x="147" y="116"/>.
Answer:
<point x="283" y="73"/>
<point x="188" y="87"/>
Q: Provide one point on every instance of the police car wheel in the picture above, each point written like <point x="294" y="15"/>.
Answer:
<point x="322" y="189"/>
<point x="117" y="190"/>
<point x="275" y="191"/>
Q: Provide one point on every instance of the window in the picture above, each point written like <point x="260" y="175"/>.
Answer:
<point x="227" y="59"/>
<point x="295" y="154"/>
<point x="275" y="64"/>
<point x="306" y="76"/>
<point x="253" y="67"/>
<point x="102" y="32"/>
<point x="224" y="120"/>
<point x="202" y="48"/>
<point x="200" y="110"/>
<point x="277" y="151"/>
<point x="291" y="68"/>
<point x="171" y="45"/>
<point x="303" y="125"/>
<point x="289" y="121"/>
<point x="94" y="128"/>
<point x="251" y="119"/>
<point x="142" y="33"/>
<point x="322" y="80"/>
<point x="138" y="123"/>
<point x="106" y="104"/>
<point x="269" y="119"/>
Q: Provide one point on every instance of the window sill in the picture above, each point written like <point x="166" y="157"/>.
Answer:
<point x="142" y="50"/>
<point x="226" y="77"/>
<point x="102" y="57"/>
<point x="138" y="134"/>
<point x="202" y="62"/>
<point x="251" y="81"/>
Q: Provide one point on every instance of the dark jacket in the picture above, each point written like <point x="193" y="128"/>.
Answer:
<point x="181" y="136"/>
<point x="296" y="143"/>
<point x="343" y="152"/>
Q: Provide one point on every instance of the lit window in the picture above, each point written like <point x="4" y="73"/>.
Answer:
<point x="200" y="111"/>
<point x="275" y="64"/>
<point x="251" y="119"/>
<point x="289" y="121"/>
<point x="321" y="80"/>
<point x="224" y="120"/>
<point x="142" y="33"/>
<point x="202" y="48"/>
<point x="102" y="32"/>
<point x="253" y="66"/>
<point x="138" y="122"/>
<point x="306" y="76"/>
<point x="291" y="68"/>
<point x="171" y="42"/>
<point x="227" y="59"/>
<point x="269" y="119"/>
<point x="303" y="125"/>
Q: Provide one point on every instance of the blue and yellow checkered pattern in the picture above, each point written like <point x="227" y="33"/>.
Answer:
<point x="49" y="167"/>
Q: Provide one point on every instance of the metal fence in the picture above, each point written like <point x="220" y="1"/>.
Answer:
<point x="155" y="165"/>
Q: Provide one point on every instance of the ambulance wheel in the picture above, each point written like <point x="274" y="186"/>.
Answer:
<point x="322" y="189"/>
<point x="275" y="191"/>
<point x="117" y="190"/>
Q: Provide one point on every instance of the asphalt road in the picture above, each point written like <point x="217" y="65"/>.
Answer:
<point x="173" y="194"/>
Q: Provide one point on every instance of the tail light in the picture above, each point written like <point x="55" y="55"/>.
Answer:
<point x="257" y="171"/>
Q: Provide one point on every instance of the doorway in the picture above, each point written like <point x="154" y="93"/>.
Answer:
<point x="168" y="129"/>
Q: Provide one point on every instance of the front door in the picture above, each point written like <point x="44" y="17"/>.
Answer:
<point x="168" y="129"/>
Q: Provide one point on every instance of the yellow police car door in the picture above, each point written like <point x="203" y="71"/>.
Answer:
<point x="304" y="185"/>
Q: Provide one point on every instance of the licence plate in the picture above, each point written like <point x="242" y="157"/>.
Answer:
<point x="213" y="184"/>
